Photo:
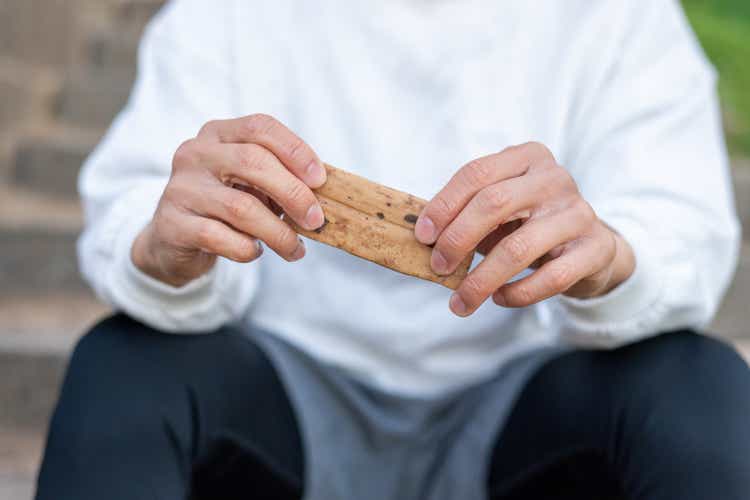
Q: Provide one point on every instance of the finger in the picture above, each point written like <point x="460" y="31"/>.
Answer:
<point x="492" y="207"/>
<point x="498" y="234"/>
<point x="257" y="166"/>
<point x="249" y="215"/>
<point x="513" y="254"/>
<point x="469" y="180"/>
<point x="584" y="261"/>
<point x="263" y="197"/>
<point x="273" y="135"/>
<point x="216" y="238"/>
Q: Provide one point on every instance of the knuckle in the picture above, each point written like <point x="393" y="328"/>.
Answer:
<point x="177" y="192"/>
<point x="452" y="241"/>
<point x="477" y="173"/>
<point x="297" y="193"/>
<point x="237" y="207"/>
<point x="285" y="240"/>
<point x="519" y="150"/>
<point x="184" y="155"/>
<point x="536" y="149"/>
<point x="251" y="158"/>
<point x="509" y="149"/>
<point x="520" y="295"/>
<point x="550" y="169"/>
<point x="585" y="213"/>
<point x="559" y="175"/>
<point x="560" y="277"/>
<point x="209" y="128"/>
<point x="441" y="207"/>
<point x="259" y="125"/>
<point x="205" y="236"/>
<point x="516" y="248"/>
<point x="473" y="289"/>
<point x="493" y="198"/>
<point x="299" y="152"/>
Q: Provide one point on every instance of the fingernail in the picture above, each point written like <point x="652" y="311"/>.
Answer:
<point x="425" y="230"/>
<point x="314" y="218"/>
<point x="315" y="174"/>
<point x="438" y="262"/>
<point x="499" y="299"/>
<point x="457" y="305"/>
<point x="299" y="252"/>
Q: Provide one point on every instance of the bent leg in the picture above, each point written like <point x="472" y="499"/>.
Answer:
<point x="662" y="419"/>
<point x="148" y="415"/>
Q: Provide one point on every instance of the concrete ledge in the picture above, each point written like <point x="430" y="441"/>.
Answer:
<point x="49" y="162"/>
<point x="35" y="260"/>
<point x="91" y="97"/>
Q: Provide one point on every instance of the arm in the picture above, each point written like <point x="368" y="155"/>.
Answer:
<point x="167" y="237"/>
<point x="651" y="160"/>
<point x="638" y="235"/>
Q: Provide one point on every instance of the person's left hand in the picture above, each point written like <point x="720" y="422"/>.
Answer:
<point x="521" y="209"/>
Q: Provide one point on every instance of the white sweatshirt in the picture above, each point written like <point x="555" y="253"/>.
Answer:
<point x="404" y="93"/>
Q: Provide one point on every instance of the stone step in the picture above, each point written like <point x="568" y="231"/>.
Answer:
<point x="136" y="13"/>
<point x="37" y="260"/>
<point x="20" y="457"/>
<point x="38" y="31"/>
<point x="49" y="161"/>
<point x="37" y="333"/>
<point x="113" y="49"/>
<point x="732" y="320"/>
<point x="29" y="388"/>
<point x="38" y="236"/>
<point x="22" y="208"/>
<point x="117" y="46"/>
<point x="15" y="488"/>
<point x="26" y="93"/>
<point x="91" y="98"/>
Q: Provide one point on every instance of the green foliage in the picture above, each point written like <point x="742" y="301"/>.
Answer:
<point x="723" y="27"/>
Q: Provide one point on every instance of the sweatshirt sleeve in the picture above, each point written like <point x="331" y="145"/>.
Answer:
<point x="649" y="156"/>
<point x="178" y="88"/>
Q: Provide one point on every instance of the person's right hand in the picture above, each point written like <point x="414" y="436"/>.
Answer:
<point x="226" y="192"/>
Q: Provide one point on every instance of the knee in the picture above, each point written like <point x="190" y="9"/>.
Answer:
<point x="100" y="349"/>
<point x="684" y="364"/>
<point x="122" y="359"/>
<point x="689" y="397"/>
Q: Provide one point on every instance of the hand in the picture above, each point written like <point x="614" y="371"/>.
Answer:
<point x="227" y="189"/>
<point x="521" y="209"/>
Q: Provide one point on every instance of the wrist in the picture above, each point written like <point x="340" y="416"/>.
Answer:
<point x="145" y="260"/>
<point x="623" y="264"/>
<point x="141" y="255"/>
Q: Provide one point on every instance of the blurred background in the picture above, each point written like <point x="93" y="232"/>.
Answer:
<point x="66" y="67"/>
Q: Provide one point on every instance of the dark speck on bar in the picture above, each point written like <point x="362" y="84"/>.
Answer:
<point x="410" y="218"/>
<point x="380" y="215"/>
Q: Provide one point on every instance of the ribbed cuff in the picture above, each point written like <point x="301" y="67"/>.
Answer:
<point x="622" y="311"/>
<point x="169" y="308"/>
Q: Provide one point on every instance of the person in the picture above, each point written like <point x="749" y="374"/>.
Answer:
<point x="565" y="365"/>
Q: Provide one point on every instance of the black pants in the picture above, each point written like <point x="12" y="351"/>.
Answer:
<point x="145" y="415"/>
